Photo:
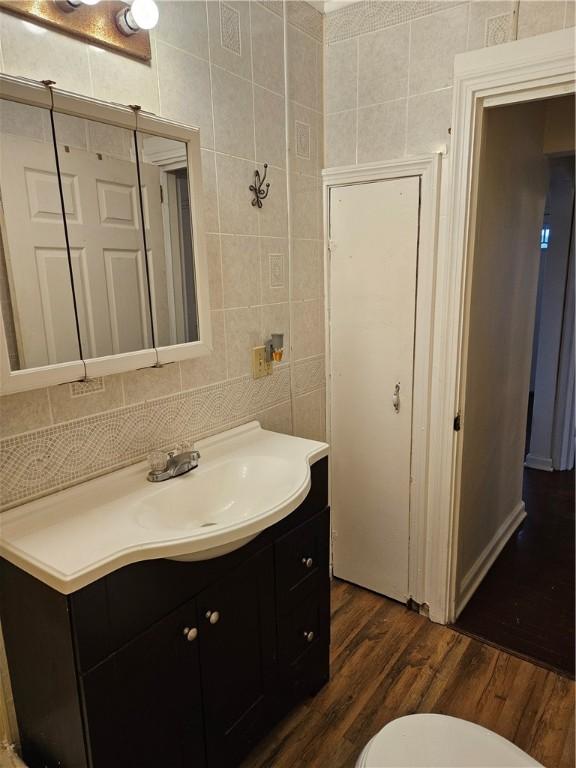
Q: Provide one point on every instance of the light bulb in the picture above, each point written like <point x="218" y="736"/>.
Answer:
<point x="72" y="5"/>
<point x="145" y="13"/>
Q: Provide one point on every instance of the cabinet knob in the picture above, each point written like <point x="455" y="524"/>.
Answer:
<point x="190" y="633"/>
<point x="213" y="617"/>
<point x="308" y="562"/>
<point x="309" y="636"/>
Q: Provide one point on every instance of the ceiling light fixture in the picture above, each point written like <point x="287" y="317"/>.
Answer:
<point x="141" y="14"/>
<point x="71" y="5"/>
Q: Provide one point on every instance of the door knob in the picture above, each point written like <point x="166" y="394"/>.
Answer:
<point x="190" y="633"/>
<point x="309" y="636"/>
<point x="213" y="617"/>
<point x="308" y="562"/>
<point x="396" y="398"/>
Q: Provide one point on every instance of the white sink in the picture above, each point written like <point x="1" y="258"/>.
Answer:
<point x="224" y="494"/>
<point x="247" y="479"/>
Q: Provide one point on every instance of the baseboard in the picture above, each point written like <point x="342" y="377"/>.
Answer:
<point x="538" y="462"/>
<point x="488" y="555"/>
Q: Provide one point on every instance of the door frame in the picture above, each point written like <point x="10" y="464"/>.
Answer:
<point x="428" y="169"/>
<point x="532" y="69"/>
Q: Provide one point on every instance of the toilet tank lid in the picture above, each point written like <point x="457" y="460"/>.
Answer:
<point x="440" y="741"/>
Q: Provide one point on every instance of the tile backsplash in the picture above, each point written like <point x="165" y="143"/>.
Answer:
<point x="224" y="67"/>
<point x="44" y="460"/>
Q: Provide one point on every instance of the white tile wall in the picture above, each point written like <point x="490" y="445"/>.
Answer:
<point x="388" y="69"/>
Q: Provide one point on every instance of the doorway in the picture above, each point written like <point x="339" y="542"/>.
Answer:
<point x="515" y="536"/>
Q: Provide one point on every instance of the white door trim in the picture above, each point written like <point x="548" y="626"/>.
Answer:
<point x="428" y="169"/>
<point x="535" y="68"/>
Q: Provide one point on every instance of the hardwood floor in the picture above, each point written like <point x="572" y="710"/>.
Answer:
<point x="525" y="604"/>
<point x="388" y="661"/>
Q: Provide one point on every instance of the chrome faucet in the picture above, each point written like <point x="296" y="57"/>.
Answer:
<point x="164" y="466"/>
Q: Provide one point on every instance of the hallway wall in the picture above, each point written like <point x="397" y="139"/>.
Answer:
<point x="513" y="179"/>
<point x="552" y="319"/>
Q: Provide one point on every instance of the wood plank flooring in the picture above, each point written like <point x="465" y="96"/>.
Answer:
<point x="388" y="661"/>
<point x="525" y="604"/>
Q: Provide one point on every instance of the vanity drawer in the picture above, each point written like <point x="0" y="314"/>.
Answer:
<point x="307" y="625"/>
<point x="302" y="559"/>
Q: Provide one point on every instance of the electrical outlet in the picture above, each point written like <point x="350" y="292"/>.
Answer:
<point x="260" y="366"/>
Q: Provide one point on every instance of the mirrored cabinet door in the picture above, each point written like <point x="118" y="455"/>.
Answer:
<point x="35" y="284"/>
<point x="168" y="229"/>
<point x="103" y="217"/>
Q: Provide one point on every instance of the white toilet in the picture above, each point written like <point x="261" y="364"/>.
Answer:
<point x="439" y="741"/>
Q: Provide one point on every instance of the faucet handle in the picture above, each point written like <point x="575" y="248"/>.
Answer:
<point x="157" y="460"/>
<point x="187" y="446"/>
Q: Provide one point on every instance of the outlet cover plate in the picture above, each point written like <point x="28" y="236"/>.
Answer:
<point x="260" y="367"/>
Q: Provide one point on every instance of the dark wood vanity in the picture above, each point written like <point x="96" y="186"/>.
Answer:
<point x="166" y="664"/>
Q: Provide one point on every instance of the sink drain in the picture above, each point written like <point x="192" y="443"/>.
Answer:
<point x="207" y="525"/>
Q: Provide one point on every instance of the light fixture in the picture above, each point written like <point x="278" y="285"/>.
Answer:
<point x="71" y="5"/>
<point x="141" y="14"/>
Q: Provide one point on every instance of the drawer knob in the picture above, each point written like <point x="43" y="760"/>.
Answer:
<point x="213" y="617"/>
<point x="190" y="634"/>
<point x="309" y="636"/>
<point x="307" y="562"/>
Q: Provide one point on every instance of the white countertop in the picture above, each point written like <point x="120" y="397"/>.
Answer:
<point x="247" y="480"/>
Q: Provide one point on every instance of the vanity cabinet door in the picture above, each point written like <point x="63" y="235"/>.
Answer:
<point x="238" y="655"/>
<point x="143" y="704"/>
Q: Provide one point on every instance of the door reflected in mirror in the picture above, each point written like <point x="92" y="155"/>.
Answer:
<point x="169" y="240"/>
<point x="98" y="162"/>
<point x="35" y="285"/>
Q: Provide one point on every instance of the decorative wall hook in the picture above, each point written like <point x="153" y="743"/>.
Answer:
<point x="259" y="193"/>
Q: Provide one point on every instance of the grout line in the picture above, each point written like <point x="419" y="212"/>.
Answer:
<point x="357" y="110"/>
<point x="155" y="41"/>
<point x="289" y="181"/>
<point x="406" y="110"/>
<point x="217" y="186"/>
<point x="50" y="408"/>
<point x="258" y="224"/>
<point x="183" y="50"/>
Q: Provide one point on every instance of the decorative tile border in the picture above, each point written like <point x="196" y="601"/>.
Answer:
<point x="276" y="263"/>
<point x="37" y="463"/>
<point x="230" y="29"/>
<point x="305" y="18"/>
<point x="498" y="29"/>
<point x="309" y="374"/>
<point x="302" y="132"/>
<point x="88" y="387"/>
<point x="372" y="15"/>
<point x="276" y="6"/>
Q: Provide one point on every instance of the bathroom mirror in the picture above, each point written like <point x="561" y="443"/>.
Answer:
<point x="120" y="280"/>
<point x="35" y="283"/>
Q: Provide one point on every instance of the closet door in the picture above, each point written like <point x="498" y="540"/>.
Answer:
<point x="373" y="268"/>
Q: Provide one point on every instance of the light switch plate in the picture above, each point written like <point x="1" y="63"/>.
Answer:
<point x="260" y="367"/>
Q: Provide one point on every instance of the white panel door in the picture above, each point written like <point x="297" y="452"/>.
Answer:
<point x="373" y="268"/>
<point x="106" y="233"/>
<point x="36" y="258"/>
